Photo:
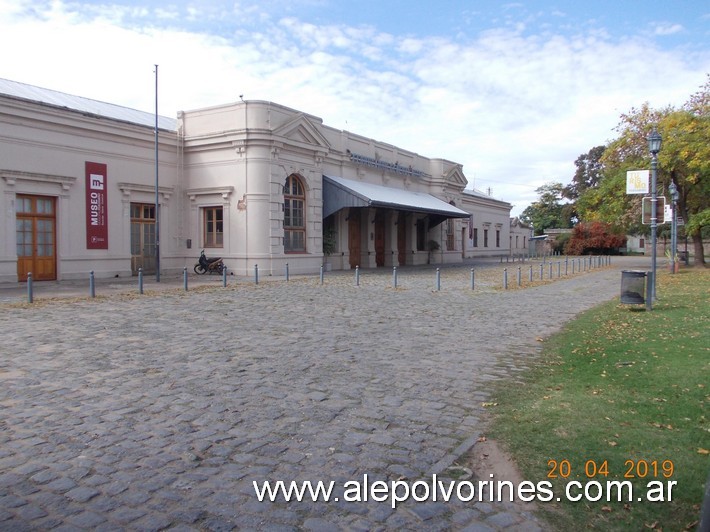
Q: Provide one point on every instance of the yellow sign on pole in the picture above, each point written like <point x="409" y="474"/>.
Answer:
<point x="637" y="181"/>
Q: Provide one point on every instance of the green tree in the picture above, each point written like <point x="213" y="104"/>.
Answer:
<point x="684" y="159"/>
<point x="548" y="211"/>
<point x="588" y="174"/>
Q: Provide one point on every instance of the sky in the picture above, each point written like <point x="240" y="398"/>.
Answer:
<point x="514" y="92"/>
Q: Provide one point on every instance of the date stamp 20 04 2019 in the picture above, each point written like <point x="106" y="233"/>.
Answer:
<point x="633" y="469"/>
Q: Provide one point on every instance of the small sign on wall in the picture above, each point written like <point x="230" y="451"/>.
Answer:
<point x="637" y="181"/>
<point x="96" y="206"/>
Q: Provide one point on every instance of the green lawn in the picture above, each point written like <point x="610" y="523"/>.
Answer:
<point x="625" y="393"/>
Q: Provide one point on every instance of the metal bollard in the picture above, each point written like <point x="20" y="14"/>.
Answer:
<point x="394" y="276"/>
<point x="472" y="278"/>
<point x="321" y="274"/>
<point x="520" y="276"/>
<point x="140" y="280"/>
<point x="566" y="266"/>
<point x="572" y="266"/>
<point x="559" y="265"/>
<point x="184" y="278"/>
<point x="438" y="279"/>
<point x="531" y="274"/>
<point x="224" y="277"/>
<point x="287" y="271"/>
<point x="505" y="278"/>
<point x="542" y="271"/>
<point x="549" y="275"/>
<point x="92" y="286"/>
<point x="357" y="275"/>
<point x="256" y="274"/>
<point x="29" y="287"/>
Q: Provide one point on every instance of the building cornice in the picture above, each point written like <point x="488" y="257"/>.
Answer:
<point x="11" y="177"/>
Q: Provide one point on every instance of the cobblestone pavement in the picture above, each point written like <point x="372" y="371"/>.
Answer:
<point x="159" y="411"/>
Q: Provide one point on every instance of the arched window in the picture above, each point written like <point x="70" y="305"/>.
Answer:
<point x="294" y="215"/>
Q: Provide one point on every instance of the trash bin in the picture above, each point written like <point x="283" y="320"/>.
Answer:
<point x="633" y="287"/>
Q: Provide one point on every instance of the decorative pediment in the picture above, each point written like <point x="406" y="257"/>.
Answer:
<point x="455" y="176"/>
<point x="302" y="130"/>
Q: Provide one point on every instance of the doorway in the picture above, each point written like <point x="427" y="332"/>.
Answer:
<point x="142" y="237"/>
<point x="35" y="233"/>
<point x="354" y="237"/>
<point x="379" y="238"/>
<point x="402" y="238"/>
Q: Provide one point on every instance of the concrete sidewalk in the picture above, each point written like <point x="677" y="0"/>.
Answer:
<point x="160" y="412"/>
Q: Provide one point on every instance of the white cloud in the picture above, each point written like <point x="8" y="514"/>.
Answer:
<point x="515" y="109"/>
<point x="665" y="28"/>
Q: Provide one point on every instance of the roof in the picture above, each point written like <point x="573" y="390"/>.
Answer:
<point x="84" y="105"/>
<point x="474" y="192"/>
<point x="340" y="193"/>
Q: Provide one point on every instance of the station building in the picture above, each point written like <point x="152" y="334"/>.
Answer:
<point x="253" y="182"/>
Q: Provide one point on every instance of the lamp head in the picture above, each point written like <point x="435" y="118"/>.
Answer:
<point x="654" y="141"/>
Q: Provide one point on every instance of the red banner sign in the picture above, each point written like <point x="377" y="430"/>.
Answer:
<point x="96" y="206"/>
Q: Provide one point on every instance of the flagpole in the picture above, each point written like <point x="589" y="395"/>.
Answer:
<point x="157" y="201"/>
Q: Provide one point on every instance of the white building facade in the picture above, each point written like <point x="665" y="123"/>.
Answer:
<point x="254" y="182"/>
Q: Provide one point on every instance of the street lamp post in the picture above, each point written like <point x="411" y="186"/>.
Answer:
<point x="654" y="146"/>
<point x="673" y="189"/>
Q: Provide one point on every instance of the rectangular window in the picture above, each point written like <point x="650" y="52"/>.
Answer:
<point x="214" y="227"/>
<point x="475" y="237"/>
<point x="485" y="238"/>
<point x="497" y="238"/>
<point x="294" y="225"/>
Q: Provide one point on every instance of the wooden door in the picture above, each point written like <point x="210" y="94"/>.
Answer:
<point x="142" y="237"/>
<point x="354" y="237"/>
<point x="402" y="238"/>
<point x="380" y="238"/>
<point x="35" y="234"/>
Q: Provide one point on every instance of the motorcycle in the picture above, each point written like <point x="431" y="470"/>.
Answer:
<point x="205" y="265"/>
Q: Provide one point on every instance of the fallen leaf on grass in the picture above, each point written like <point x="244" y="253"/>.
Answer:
<point x="703" y="451"/>
<point x="606" y="508"/>
<point x="651" y="525"/>
<point x="481" y="439"/>
<point x="613" y="443"/>
<point x="489" y="404"/>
